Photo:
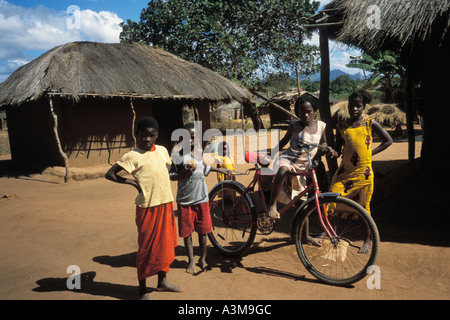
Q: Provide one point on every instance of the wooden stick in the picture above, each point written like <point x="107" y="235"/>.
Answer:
<point x="134" y="119"/>
<point x="58" y="141"/>
<point x="276" y="105"/>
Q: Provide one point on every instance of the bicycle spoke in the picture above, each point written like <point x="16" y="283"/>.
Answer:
<point x="234" y="227"/>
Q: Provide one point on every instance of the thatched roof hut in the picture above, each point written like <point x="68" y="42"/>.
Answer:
<point x="420" y="31"/>
<point x="285" y="100"/>
<point x="380" y="25"/>
<point x="96" y="91"/>
<point x="81" y="69"/>
<point x="389" y="115"/>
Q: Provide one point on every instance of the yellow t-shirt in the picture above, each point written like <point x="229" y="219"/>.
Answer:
<point x="227" y="163"/>
<point x="149" y="169"/>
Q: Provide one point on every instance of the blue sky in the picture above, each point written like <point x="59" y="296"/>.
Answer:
<point x="29" y="28"/>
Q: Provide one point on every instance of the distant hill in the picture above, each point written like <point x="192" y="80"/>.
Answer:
<point x="334" y="74"/>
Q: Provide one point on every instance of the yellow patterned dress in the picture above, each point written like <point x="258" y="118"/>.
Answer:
<point x="354" y="178"/>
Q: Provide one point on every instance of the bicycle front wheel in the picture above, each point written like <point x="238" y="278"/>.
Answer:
<point x="344" y="258"/>
<point x="234" y="223"/>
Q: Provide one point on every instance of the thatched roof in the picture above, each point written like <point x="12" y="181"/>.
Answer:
<point x="289" y="97"/>
<point x="402" y="23"/>
<point x="121" y="69"/>
<point x="388" y="115"/>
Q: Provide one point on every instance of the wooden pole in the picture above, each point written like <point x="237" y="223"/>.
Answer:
<point x="134" y="120"/>
<point x="410" y="112"/>
<point x="58" y="141"/>
<point x="324" y="101"/>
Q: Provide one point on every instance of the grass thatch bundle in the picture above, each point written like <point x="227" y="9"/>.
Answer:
<point x="401" y="23"/>
<point x="388" y="115"/>
<point x="120" y="69"/>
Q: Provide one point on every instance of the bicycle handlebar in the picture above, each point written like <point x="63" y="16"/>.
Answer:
<point x="254" y="157"/>
<point x="309" y="146"/>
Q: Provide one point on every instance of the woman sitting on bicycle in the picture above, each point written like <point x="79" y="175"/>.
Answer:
<point x="294" y="160"/>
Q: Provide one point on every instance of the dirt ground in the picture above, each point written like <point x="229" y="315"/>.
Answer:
<point x="47" y="226"/>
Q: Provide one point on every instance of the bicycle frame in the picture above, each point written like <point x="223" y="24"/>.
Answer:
<point x="335" y="238"/>
<point x="313" y="186"/>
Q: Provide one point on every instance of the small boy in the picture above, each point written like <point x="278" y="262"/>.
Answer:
<point x="192" y="197"/>
<point x="155" y="218"/>
<point x="224" y="160"/>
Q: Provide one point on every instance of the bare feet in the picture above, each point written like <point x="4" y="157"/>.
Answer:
<point x="203" y="264"/>
<point x="163" y="285"/>
<point x="145" y="296"/>
<point x="366" y="247"/>
<point x="167" y="287"/>
<point x="273" y="212"/>
<point x="314" y="241"/>
<point x="191" y="267"/>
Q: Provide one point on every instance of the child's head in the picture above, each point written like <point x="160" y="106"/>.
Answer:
<point x="223" y="149"/>
<point x="305" y="108"/>
<point x="190" y="127"/>
<point x="146" y="133"/>
<point x="357" y="102"/>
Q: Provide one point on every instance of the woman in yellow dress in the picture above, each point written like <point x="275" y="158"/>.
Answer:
<point x="354" y="178"/>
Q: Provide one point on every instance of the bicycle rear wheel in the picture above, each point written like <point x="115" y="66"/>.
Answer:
<point x="234" y="223"/>
<point x="337" y="260"/>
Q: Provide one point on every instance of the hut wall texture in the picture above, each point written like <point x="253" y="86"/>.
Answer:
<point x="95" y="131"/>
<point x="31" y="137"/>
<point x="92" y="131"/>
<point x="169" y="114"/>
<point x="99" y="131"/>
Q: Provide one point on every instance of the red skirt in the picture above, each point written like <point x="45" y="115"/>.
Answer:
<point x="157" y="239"/>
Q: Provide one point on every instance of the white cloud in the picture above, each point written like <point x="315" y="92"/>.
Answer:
<point x="100" y="26"/>
<point x="339" y="53"/>
<point x="324" y="2"/>
<point x="41" y="29"/>
<point x="340" y="56"/>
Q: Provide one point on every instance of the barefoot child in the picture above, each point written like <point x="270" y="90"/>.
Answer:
<point x="307" y="130"/>
<point x="354" y="178"/>
<point x="155" y="219"/>
<point x="192" y="197"/>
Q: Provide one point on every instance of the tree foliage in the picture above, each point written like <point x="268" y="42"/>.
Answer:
<point x="235" y="37"/>
<point x="384" y="66"/>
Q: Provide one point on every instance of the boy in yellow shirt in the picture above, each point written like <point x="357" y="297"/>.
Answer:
<point x="157" y="238"/>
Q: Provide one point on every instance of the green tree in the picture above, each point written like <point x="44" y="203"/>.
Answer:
<point x="383" y="65"/>
<point x="277" y="82"/>
<point x="311" y="86"/>
<point x="235" y="37"/>
<point x="343" y="85"/>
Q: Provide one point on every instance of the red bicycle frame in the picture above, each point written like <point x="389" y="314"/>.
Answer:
<point x="312" y="186"/>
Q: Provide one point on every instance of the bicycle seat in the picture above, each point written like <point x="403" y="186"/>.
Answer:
<point x="255" y="157"/>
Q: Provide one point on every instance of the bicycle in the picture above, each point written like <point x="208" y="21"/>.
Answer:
<point x="328" y="229"/>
